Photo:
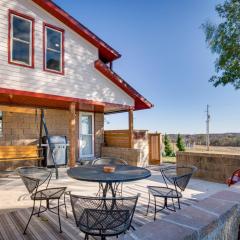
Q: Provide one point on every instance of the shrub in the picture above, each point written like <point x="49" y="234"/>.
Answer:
<point x="167" y="146"/>
<point x="180" y="143"/>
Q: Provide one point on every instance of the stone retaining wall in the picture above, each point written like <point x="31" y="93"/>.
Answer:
<point x="134" y="157"/>
<point x="211" y="166"/>
<point x="216" y="217"/>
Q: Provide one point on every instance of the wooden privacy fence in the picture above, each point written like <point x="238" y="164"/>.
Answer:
<point x="154" y="143"/>
<point x="117" y="138"/>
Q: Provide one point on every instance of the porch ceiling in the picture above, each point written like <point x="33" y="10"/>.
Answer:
<point x="41" y="100"/>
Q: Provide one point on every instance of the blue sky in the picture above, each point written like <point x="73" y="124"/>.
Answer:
<point x="165" y="57"/>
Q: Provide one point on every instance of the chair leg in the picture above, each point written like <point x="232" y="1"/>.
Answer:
<point x="39" y="209"/>
<point x="173" y="205"/>
<point x="29" y="218"/>
<point x="133" y="228"/>
<point x="155" y="208"/>
<point x="179" y="203"/>
<point x="59" y="220"/>
<point x="148" y="202"/>
<point x="86" y="237"/>
<point x="65" y="205"/>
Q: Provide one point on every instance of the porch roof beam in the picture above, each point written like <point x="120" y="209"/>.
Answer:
<point x="11" y="97"/>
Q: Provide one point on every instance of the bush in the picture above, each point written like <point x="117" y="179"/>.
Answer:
<point x="180" y="143"/>
<point x="167" y="146"/>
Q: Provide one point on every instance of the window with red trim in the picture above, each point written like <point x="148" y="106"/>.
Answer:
<point x="21" y="39"/>
<point x="53" y="49"/>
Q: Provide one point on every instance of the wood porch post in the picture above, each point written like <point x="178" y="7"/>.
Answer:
<point x="130" y="127"/>
<point x="72" y="135"/>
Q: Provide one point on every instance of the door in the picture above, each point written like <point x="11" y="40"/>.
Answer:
<point x="86" y="121"/>
<point x="154" y="140"/>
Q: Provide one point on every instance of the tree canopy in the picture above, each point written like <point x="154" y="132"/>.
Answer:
<point x="180" y="143"/>
<point x="167" y="146"/>
<point x="224" y="40"/>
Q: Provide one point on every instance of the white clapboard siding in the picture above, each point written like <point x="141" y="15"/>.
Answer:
<point x="81" y="79"/>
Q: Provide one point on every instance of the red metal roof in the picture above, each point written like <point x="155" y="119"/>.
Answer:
<point x="105" y="51"/>
<point x="140" y="101"/>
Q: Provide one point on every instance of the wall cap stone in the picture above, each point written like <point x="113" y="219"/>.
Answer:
<point x="216" y="217"/>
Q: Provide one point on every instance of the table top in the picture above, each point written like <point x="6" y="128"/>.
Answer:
<point x="123" y="173"/>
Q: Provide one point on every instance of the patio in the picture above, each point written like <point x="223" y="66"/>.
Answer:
<point x="16" y="205"/>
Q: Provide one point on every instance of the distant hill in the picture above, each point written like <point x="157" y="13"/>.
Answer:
<point x="216" y="139"/>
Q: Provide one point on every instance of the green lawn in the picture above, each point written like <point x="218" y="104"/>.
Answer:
<point x="169" y="159"/>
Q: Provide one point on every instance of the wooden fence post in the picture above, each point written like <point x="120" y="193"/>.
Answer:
<point x="72" y="135"/>
<point x="130" y="128"/>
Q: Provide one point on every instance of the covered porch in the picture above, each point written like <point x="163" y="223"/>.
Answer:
<point x="21" y="125"/>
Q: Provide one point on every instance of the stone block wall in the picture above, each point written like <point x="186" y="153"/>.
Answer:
<point x="136" y="156"/>
<point x="132" y="156"/>
<point x="23" y="129"/>
<point x="217" y="167"/>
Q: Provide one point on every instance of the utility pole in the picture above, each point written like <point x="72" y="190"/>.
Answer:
<point x="207" y="128"/>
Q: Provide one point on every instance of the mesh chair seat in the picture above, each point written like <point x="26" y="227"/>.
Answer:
<point x="164" y="192"/>
<point x="104" y="222"/>
<point x="48" y="194"/>
<point x="33" y="177"/>
<point x="109" y="161"/>
<point x="179" y="176"/>
<point x="103" y="216"/>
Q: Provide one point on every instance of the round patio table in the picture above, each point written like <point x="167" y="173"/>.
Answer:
<point x="123" y="173"/>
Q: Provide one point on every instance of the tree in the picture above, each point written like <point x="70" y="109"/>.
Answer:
<point x="224" y="40"/>
<point x="180" y="143"/>
<point x="167" y="146"/>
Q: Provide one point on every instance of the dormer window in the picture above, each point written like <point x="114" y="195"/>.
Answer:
<point x="21" y="29"/>
<point x="53" y="49"/>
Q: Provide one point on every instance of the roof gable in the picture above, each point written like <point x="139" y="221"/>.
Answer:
<point x="106" y="52"/>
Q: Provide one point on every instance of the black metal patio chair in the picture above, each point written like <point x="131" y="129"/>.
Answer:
<point x="103" y="217"/>
<point x="110" y="161"/>
<point x="179" y="177"/>
<point x="33" y="178"/>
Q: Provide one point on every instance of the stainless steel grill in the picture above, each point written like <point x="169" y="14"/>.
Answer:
<point x="59" y="146"/>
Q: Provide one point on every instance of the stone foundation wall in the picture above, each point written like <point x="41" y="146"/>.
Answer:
<point x="132" y="156"/>
<point x="136" y="156"/>
<point x="217" y="167"/>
